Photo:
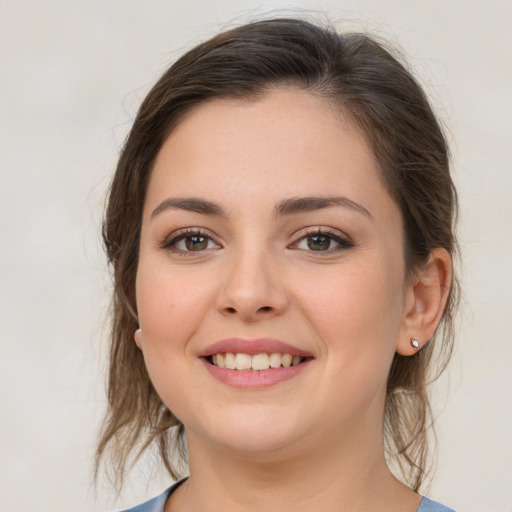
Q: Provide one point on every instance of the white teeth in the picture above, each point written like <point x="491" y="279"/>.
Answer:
<point x="286" y="360"/>
<point x="241" y="361"/>
<point x="260" y="362"/>
<point x="275" y="360"/>
<point x="230" y="360"/>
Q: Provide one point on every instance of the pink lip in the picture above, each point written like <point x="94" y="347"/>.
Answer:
<point x="255" y="379"/>
<point x="252" y="347"/>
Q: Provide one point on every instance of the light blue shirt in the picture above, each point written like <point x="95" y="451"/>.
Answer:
<point x="157" y="504"/>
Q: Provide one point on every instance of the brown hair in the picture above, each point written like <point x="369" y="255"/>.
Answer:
<point x="353" y="72"/>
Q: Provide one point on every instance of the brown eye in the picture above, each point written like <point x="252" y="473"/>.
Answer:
<point x="189" y="242"/>
<point x="322" y="242"/>
<point x="196" y="243"/>
<point x="319" y="242"/>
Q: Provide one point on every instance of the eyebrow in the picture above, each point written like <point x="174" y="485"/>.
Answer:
<point x="286" y="207"/>
<point x="307" y="204"/>
<point x="191" y="204"/>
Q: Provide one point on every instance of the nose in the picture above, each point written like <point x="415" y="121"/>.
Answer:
<point x="252" y="288"/>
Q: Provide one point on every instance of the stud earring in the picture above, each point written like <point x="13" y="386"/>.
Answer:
<point x="415" y="344"/>
<point x="136" y="337"/>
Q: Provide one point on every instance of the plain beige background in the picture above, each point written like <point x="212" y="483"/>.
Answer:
<point x="71" y="76"/>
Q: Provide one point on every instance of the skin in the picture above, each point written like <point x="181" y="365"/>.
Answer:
<point x="313" y="442"/>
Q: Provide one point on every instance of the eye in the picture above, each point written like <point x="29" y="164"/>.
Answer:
<point x="322" y="241"/>
<point x="194" y="243"/>
<point x="190" y="241"/>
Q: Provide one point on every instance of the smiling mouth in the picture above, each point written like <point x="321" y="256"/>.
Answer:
<point x="256" y="362"/>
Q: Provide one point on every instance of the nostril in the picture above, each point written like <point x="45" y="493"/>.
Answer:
<point x="265" y="308"/>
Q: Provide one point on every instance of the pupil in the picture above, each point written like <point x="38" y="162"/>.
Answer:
<point x="196" y="243"/>
<point x="316" y="243"/>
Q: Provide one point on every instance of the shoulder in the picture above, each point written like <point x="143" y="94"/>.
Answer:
<point x="156" y="504"/>
<point x="427" y="505"/>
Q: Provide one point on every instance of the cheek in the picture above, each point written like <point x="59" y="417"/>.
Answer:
<point x="169" y="305"/>
<point x="356" y="316"/>
<point x="170" y="308"/>
<point x="357" y="309"/>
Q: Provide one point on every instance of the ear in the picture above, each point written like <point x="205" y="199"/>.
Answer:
<point x="425" y="301"/>
<point x="137" y="336"/>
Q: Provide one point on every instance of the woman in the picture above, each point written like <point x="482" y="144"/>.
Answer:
<point x="280" y="227"/>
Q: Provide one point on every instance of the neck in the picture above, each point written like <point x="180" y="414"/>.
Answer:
<point x="316" y="475"/>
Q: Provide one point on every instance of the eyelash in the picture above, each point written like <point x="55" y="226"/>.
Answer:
<point x="170" y="243"/>
<point x="343" y="242"/>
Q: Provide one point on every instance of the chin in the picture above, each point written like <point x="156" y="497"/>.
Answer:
<point x="256" y="433"/>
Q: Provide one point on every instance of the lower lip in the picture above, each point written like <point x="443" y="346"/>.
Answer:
<point x="254" y="379"/>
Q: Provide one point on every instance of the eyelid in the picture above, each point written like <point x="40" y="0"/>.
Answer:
<point x="338" y="236"/>
<point x="335" y="234"/>
<point x="169" y="241"/>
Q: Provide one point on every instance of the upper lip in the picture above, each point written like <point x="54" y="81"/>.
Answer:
<point x="253" y="346"/>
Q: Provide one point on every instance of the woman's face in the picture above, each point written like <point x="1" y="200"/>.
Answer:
<point x="267" y="233"/>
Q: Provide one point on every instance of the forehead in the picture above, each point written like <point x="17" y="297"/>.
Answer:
<point x="287" y="143"/>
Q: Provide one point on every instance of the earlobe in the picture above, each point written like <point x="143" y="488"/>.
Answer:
<point x="426" y="302"/>
<point x="137" y="336"/>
